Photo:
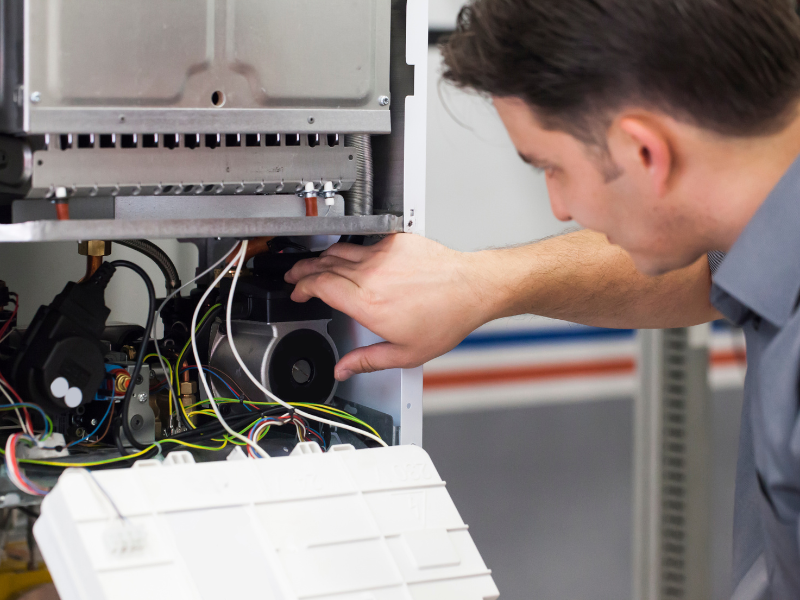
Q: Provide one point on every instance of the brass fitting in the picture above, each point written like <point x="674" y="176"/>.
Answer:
<point x="94" y="248"/>
<point x="122" y="382"/>
<point x="130" y="352"/>
<point x="188" y="388"/>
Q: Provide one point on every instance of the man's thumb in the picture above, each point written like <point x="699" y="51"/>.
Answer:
<point x="368" y="360"/>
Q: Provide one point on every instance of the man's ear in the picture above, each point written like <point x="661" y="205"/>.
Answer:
<point x="647" y="147"/>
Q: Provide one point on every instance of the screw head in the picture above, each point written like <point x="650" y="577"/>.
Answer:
<point x="311" y="120"/>
<point x="142" y="397"/>
<point x="94" y="422"/>
<point x="383" y="100"/>
<point x="36" y="97"/>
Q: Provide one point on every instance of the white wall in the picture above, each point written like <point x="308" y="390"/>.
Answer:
<point x="479" y="193"/>
<point x="37" y="272"/>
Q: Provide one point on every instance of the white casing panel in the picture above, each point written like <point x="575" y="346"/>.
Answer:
<point x="346" y="525"/>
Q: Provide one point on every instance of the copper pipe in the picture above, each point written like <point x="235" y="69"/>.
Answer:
<point x="92" y="264"/>
<point x="257" y="246"/>
<point x="62" y="210"/>
<point x="311" y="206"/>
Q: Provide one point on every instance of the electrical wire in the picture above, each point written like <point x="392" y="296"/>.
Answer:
<point x="24" y="423"/>
<point x="174" y="397"/>
<point x="15" y="474"/>
<point x="252" y="378"/>
<point x="201" y="374"/>
<point x="96" y="429"/>
<point x="151" y="297"/>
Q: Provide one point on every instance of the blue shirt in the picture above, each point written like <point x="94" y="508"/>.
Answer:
<point x="757" y="286"/>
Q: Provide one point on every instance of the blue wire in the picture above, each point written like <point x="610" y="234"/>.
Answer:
<point x="324" y="445"/>
<point x="100" y="424"/>
<point x="33" y="406"/>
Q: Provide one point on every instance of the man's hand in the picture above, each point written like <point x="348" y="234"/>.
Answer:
<point x="415" y="293"/>
<point x="424" y="299"/>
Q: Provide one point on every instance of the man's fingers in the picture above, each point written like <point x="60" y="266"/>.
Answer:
<point x="334" y="290"/>
<point x="369" y="359"/>
<point x="313" y="266"/>
<point x="351" y="252"/>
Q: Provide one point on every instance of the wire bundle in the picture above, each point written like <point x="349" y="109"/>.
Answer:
<point x="254" y="424"/>
<point x="15" y="474"/>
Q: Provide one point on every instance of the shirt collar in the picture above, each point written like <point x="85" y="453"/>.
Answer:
<point x="761" y="273"/>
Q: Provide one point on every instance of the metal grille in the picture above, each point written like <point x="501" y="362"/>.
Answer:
<point x="674" y="465"/>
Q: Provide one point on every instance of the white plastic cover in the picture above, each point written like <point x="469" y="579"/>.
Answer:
<point x="346" y="525"/>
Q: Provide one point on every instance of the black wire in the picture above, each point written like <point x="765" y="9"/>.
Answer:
<point x="151" y="312"/>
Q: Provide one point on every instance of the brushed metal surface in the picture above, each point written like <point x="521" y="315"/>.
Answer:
<point x="200" y="63"/>
<point x="104" y="229"/>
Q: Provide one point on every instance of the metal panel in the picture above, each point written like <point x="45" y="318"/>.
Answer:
<point x="205" y="207"/>
<point x="672" y="473"/>
<point x="209" y="65"/>
<point x="55" y="231"/>
<point x="11" y="79"/>
<point x="160" y="171"/>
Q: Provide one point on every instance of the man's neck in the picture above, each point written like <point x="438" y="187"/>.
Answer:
<point x="744" y="172"/>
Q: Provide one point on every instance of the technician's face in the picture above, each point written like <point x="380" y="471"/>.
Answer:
<point x="598" y="196"/>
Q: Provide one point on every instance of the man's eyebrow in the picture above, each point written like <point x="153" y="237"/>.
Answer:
<point x="533" y="161"/>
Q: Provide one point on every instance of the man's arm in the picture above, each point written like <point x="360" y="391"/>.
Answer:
<point x="424" y="298"/>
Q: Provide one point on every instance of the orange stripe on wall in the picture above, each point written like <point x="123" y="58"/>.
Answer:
<point x="621" y="366"/>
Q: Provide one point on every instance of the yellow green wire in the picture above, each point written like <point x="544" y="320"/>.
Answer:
<point x="169" y="387"/>
<point x="224" y="441"/>
<point x="320" y="407"/>
<point x="180" y="358"/>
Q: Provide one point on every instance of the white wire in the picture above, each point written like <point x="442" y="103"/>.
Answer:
<point x="16" y="410"/>
<point x="239" y="259"/>
<point x="257" y="383"/>
<point x="5" y="337"/>
<point x="166" y="371"/>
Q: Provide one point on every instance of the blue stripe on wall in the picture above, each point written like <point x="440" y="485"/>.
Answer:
<point x="542" y="336"/>
<point x="575" y="333"/>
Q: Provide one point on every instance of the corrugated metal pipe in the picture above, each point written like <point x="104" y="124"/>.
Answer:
<point x="358" y="201"/>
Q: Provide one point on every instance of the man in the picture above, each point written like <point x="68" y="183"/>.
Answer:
<point x="670" y="130"/>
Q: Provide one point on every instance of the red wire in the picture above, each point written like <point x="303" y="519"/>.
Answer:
<point x="16" y="395"/>
<point x="5" y="327"/>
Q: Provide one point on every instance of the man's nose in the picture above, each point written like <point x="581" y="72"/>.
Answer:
<point x="557" y="204"/>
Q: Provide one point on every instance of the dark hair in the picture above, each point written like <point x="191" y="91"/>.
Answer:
<point x="731" y="66"/>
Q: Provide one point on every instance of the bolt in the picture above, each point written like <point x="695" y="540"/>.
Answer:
<point x="383" y="100"/>
<point x="142" y="397"/>
<point x="36" y="97"/>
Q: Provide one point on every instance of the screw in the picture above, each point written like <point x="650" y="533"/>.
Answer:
<point x="411" y="223"/>
<point x="36" y="97"/>
<point x="302" y="372"/>
<point x="139" y="380"/>
<point x="310" y="120"/>
<point x="142" y="397"/>
<point x="137" y="422"/>
<point x="383" y="100"/>
<point x="94" y="422"/>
